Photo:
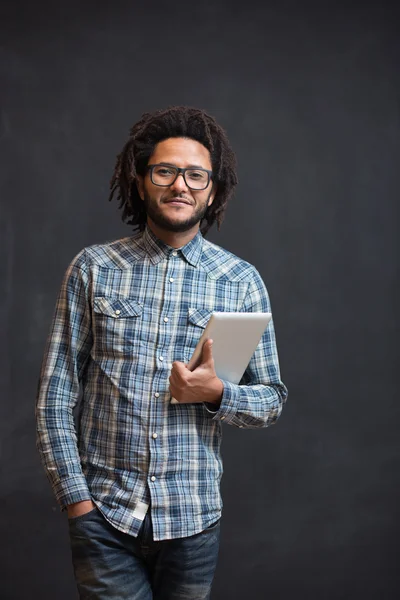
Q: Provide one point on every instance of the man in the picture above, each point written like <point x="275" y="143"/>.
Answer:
<point x="140" y="482"/>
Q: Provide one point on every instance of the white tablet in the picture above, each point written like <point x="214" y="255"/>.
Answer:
<point x="236" y="336"/>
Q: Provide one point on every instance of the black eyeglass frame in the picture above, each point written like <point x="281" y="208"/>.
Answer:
<point x="180" y="171"/>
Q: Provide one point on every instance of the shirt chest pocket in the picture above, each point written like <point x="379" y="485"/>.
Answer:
<point x="118" y="325"/>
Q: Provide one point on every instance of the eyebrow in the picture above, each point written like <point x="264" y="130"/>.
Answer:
<point x="188" y="167"/>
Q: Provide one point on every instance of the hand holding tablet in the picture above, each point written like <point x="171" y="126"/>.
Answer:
<point x="236" y="336"/>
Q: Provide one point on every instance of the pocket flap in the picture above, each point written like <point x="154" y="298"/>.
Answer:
<point x="199" y="316"/>
<point x="117" y="307"/>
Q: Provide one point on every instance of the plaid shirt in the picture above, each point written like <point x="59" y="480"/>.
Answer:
<point x="125" y="312"/>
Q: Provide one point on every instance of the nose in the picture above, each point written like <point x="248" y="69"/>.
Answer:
<point x="179" y="184"/>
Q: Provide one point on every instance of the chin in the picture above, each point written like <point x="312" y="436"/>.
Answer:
<point x="177" y="227"/>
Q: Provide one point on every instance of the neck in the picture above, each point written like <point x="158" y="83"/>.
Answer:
<point x="173" y="238"/>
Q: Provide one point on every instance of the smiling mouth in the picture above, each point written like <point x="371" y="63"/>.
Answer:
<point x="177" y="201"/>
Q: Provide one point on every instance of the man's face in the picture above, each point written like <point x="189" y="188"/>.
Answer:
<point x="177" y="208"/>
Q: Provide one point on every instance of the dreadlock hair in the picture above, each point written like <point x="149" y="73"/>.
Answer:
<point x="175" y="121"/>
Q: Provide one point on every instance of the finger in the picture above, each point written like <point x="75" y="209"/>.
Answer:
<point x="178" y="367"/>
<point x="179" y="373"/>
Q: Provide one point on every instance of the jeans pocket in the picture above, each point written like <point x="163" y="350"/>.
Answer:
<point x="213" y="525"/>
<point x="80" y="518"/>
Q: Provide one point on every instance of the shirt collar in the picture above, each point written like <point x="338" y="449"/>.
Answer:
<point x="158" y="250"/>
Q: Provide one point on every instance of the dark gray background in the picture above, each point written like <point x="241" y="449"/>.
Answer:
<point x="309" y="95"/>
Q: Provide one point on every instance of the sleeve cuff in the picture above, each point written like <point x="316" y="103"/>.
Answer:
<point x="71" y="490"/>
<point x="229" y="403"/>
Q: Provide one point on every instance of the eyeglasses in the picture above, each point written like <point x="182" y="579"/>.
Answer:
<point x="165" y="175"/>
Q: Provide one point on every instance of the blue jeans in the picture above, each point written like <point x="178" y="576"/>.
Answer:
<point x="111" y="565"/>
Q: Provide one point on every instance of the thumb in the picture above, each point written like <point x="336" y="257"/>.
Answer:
<point x="206" y="353"/>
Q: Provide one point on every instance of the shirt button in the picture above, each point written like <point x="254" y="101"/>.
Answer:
<point x="153" y="478"/>
<point x="174" y="254"/>
<point x="117" y="312"/>
<point x="157" y="395"/>
<point x="222" y="418"/>
<point x="155" y="436"/>
<point x="169" y="365"/>
<point x="171" y="279"/>
<point x="165" y="319"/>
<point x="161" y="358"/>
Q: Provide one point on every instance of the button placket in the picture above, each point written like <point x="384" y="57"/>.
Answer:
<point x="166" y="327"/>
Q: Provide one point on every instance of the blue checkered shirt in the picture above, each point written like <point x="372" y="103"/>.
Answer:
<point x="127" y="310"/>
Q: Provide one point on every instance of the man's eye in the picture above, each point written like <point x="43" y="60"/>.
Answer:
<point x="164" y="172"/>
<point x="196" y="175"/>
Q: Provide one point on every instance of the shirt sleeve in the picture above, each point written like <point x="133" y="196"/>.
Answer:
<point x="66" y="354"/>
<point x="258" y="399"/>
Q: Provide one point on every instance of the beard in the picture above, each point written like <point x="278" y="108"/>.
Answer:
<point x="174" y="225"/>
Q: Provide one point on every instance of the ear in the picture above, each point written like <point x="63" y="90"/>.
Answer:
<point x="140" y="185"/>
<point x="213" y="194"/>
